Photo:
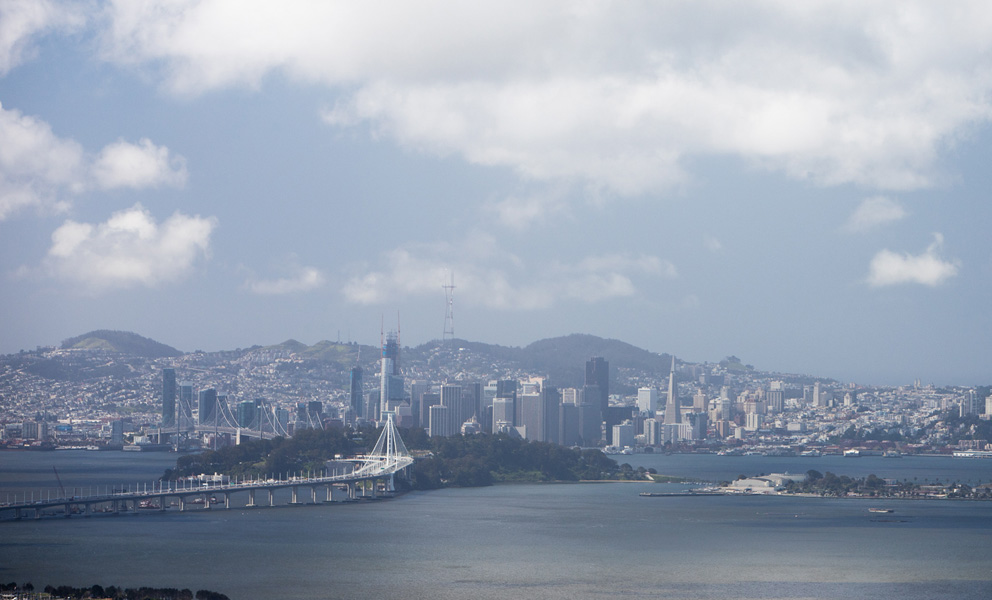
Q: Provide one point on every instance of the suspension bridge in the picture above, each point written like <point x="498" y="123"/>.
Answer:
<point x="368" y="476"/>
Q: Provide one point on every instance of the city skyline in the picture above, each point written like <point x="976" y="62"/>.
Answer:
<point x="800" y="186"/>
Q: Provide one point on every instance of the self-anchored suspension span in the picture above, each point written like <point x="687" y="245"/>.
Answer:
<point x="388" y="457"/>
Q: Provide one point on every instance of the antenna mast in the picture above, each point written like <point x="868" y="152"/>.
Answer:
<point x="449" y="310"/>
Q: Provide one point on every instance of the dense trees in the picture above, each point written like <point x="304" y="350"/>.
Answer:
<point x="462" y="461"/>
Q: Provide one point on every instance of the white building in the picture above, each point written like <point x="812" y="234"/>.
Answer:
<point x="647" y="400"/>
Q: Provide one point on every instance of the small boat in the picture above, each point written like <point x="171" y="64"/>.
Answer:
<point x="880" y="510"/>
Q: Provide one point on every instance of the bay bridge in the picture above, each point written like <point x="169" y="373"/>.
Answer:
<point x="369" y="475"/>
<point x="218" y="418"/>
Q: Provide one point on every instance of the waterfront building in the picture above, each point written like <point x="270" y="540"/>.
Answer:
<point x="623" y="434"/>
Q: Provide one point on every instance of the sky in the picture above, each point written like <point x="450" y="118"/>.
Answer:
<point x="803" y="185"/>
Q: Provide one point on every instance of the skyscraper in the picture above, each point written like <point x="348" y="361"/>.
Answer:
<point x="598" y="374"/>
<point x="168" y="397"/>
<point x="673" y="414"/>
<point x="356" y="398"/>
<point x="389" y="370"/>
<point x="207" y="407"/>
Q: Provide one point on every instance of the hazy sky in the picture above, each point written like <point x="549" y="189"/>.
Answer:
<point x="804" y="185"/>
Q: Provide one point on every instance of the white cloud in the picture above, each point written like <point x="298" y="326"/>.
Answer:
<point x="520" y="212"/>
<point x="891" y="268"/>
<point x="129" y="250"/>
<point x="21" y="21"/>
<point x="712" y="244"/>
<point x="40" y="169"/>
<point x="613" y="96"/>
<point x="123" y="164"/>
<point x="303" y="279"/>
<point x="874" y="212"/>
<point x="494" y="279"/>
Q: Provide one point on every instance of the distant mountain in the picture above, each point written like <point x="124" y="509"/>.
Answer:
<point x="124" y="342"/>
<point x="563" y="359"/>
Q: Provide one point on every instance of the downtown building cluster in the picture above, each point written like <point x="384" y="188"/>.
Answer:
<point x="75" y="397"/>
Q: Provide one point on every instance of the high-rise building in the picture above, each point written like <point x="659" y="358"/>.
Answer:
<point x="699" y="403"/>
<point x="598" y="374"/>
<point x="206" y="413"/>
<point x="623" y="434"/>
<point x="389" y="368"/>
<point x="168" y="397"/>
<point x="502" y="414"/>
<point x="775" y="400"/>
<point x="356" y="396"/>
<point x="647" y="400"/>
<point x="184" y="413"/>
<point x="427" y="400"/>
<point x="247" y="412"/>
<point x="673" y="412"/>
<point x="439" y="421"/>
<point x="117" y="432"/>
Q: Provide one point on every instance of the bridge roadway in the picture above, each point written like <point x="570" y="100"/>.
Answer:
<point x="372" y="469"/>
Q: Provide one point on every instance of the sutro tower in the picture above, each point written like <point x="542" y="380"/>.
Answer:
<point x="449" y="310"/>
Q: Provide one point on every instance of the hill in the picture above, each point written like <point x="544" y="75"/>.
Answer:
<point x="124" y="342"/>
<point x="562" y="359"/>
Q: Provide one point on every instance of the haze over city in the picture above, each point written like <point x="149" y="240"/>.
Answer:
<point x="803" y="186"/>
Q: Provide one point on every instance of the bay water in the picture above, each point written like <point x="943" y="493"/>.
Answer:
<point x="576" y="541"/>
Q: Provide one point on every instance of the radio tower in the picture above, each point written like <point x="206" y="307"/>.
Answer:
<point x="449" y="310"/>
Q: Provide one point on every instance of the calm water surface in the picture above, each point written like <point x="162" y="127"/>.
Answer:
<point x="524" y="541"/>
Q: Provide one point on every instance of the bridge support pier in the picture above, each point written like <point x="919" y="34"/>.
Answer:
<point x="271" y="498"/>
<point x="295" y="499"/>
<point x="206" y="501"/>
<point x="182" y="503"/>
<point x="161" y="503"/>
<point x="68" y="511"/>
<point x="88" y="509"/>
<point x="251" y="499"/>
<point x="227" y="501"/>
<point x="328" y="489"/>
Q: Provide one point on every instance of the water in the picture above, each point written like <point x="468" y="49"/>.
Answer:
<point x="524" y="541"/>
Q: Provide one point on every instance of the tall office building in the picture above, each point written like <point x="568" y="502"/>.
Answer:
<point x="440" y="422"/>
<point x="185" y="407"/>
<point x="598" y="374"/>
<point x="207" y="407"/>
<point x="647" y="400"/>
<point x="168" y="397"/>
<point x="389" y="370"/>
<point x="673" y="413"/>
<point x="356" y="397"/>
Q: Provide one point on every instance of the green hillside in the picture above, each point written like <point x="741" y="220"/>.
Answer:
<point x="124" y="342"/>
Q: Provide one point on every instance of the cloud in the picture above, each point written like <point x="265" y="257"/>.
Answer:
<point x="123" y="164"/>
<point x="712" y="244"/>
<point x="40" y="169"/>
<point x="890" y="268"/>
<point x="520" y="212"/>
<point x="618" y="98"/>
<point x="874" y="212"/>
<point x="21" y="21"/>
<point x="129" y="250"/>
<point x="303" y="279"/>
<point x="499" y="280"/>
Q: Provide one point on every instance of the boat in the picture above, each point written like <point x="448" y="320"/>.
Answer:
<point x="880" y="510"/>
